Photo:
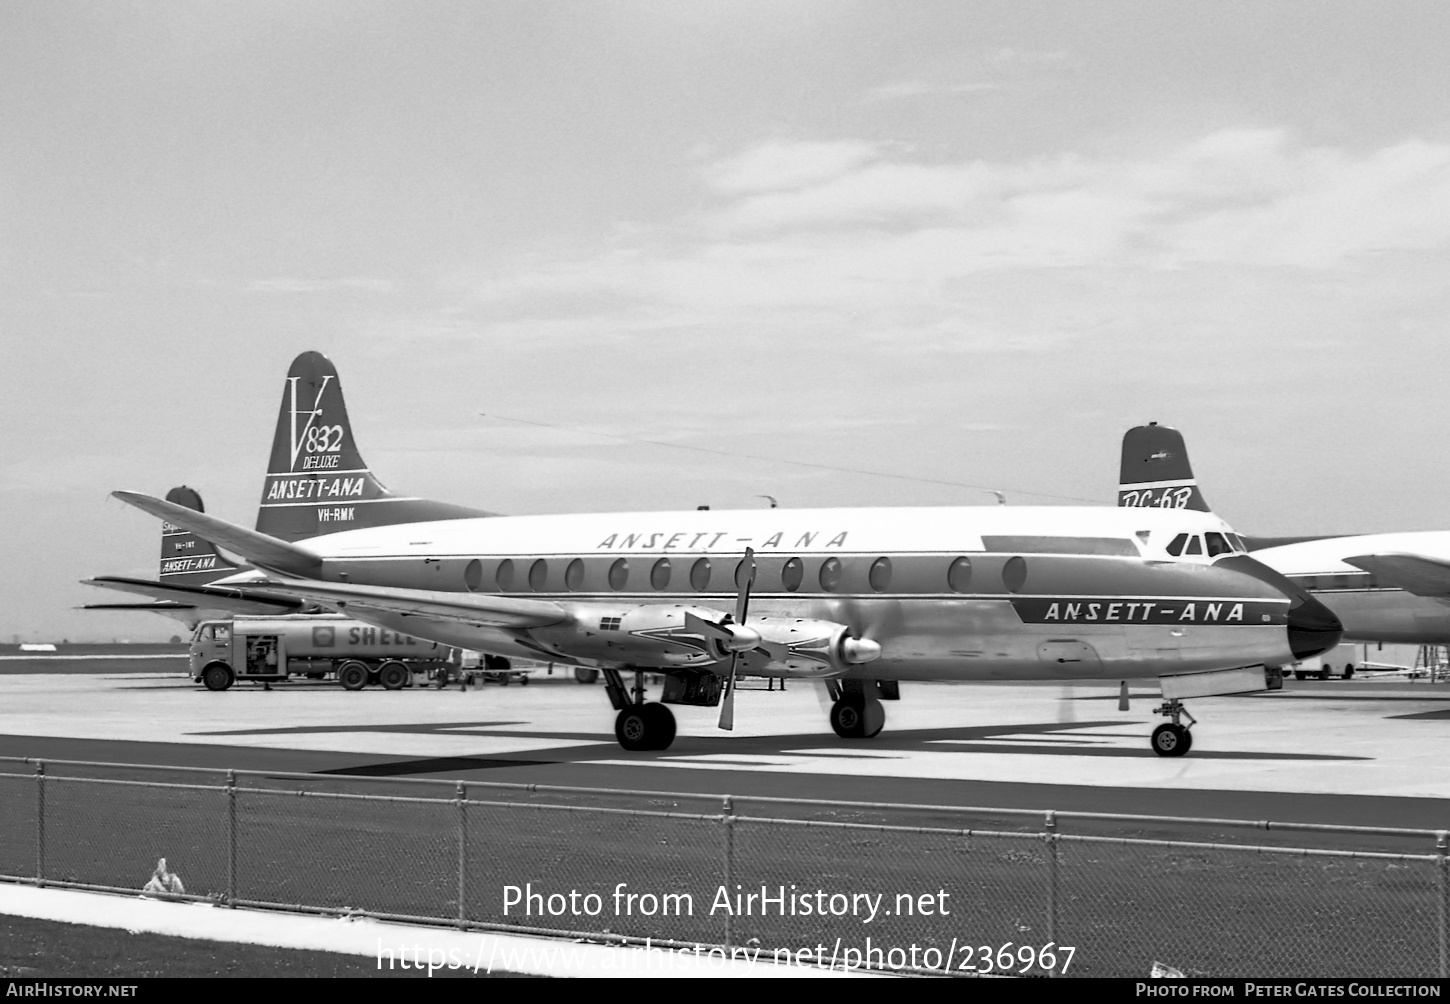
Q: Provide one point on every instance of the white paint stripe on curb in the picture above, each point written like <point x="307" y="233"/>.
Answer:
<point x="441" y="947"/>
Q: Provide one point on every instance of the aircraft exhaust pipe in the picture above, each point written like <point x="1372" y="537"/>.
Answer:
<point x="1313" y="627"/>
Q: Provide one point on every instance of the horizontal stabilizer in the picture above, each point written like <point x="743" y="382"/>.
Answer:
<point x="266" y="552"/>
<point x="464" y="608"/>
<point x="1411" y="572"/>
<point x="238" y="600"/>
<point x="159" y="607"/>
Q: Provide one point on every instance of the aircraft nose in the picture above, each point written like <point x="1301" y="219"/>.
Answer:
<point x="1313" y="627"/>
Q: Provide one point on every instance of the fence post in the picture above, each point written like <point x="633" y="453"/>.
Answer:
<point x="727" y="820"/>
<point x="1442" y="847"/>
<point x="231" y="839"/>
<point x="40" y="823"/>
<point x="1049" y="837"/>
<point x="462" y="803"/>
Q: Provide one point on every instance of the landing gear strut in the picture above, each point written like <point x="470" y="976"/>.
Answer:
<point x="1172" y="738"/>
<point x="638" y="726"/>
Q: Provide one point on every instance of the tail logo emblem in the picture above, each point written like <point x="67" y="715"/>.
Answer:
<point x="314" y="439"/>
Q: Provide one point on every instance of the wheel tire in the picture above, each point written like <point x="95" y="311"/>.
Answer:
<point x="632" y="728"/>
<point x="523" y="681"/>
<point x="1298" y="676"/>
<point x="217" y="676"/>
<point x="1171" y="740"/>
<point x="585" y="675"/>
<point x="1349" y="672"/>
<point x="848" y="718"/>
<point x="661" y="721"/>
<point x="353" y="676"/>
<point x="1324" y="674"/>
<point x="393" y="675"/>
<point x="873" y="719"/>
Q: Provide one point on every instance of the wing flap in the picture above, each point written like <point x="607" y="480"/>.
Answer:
<point x="463" y="608"/>
<point x="1413" y="573"/>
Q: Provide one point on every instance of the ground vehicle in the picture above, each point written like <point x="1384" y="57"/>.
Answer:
<point x="1342" y="661"/>
<point x="268" y="649"/>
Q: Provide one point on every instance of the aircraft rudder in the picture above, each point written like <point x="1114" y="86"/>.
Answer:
<point x="187" y="559"/>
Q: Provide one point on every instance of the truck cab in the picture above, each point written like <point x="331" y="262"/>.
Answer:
<point x="223" y="652"/>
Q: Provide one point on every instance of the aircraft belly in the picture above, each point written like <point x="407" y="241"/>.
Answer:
<point x="1389" y="615"/>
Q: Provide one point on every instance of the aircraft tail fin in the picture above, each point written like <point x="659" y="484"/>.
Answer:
<point x="186" y="559"/>
<point x="1155" y="470"/>
<point x="317" y="481"/>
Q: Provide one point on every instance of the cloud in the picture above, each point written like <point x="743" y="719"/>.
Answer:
<point x="825" y="241"/>
<point x="291" y="285"/>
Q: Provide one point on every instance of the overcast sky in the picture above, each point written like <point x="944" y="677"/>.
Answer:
<point x="963" y="242"/>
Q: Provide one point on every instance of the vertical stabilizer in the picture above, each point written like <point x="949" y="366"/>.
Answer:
<point x="186" y="559"/>
<point x="317" y="482"/>
<point x="1155" y="470"/>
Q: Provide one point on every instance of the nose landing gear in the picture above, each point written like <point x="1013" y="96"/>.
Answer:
<point x="1172" y="738"/>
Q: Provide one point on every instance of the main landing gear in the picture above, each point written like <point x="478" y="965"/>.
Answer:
<point x="1172" y="738"/>
<point x="638" y="726"/>
<point x="855" y="713"/>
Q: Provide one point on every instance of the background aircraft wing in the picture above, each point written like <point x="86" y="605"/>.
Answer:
<point x="237" y="599"/>
<point x="1411" y="572"/>
<point x="463" y="608"/>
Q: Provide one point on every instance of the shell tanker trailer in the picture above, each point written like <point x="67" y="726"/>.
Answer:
<point x="355" y="653"/>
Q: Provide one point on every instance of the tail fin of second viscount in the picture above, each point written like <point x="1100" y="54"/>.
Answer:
<point x="186" y="559"/>
<point x="317" y="481"/>
<point x="1155" y="470"/>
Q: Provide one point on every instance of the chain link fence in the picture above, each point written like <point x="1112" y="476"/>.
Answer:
<point x="961" y="891"/>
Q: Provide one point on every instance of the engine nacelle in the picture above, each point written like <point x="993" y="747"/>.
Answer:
<point x="653" y="634"/>
<point x="798" y="646"/>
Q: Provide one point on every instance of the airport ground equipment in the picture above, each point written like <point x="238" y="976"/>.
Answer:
<point x="355" y="653"/>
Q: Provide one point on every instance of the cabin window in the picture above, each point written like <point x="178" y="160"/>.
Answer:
<point x="959" y="575"/>
<point x="619" y="574"/>
<point x="223" y="632"/>
<point x="792" y="574"/>
<point x="1217" y="544"/>
<point x="1175" y="546"/>
<point x="659" y="575"/>
<point x="1014" y="574"/>
<point x="700" y="575"/>
<point x="505" y="575"/>
<point x="831" y="574"/>
<point x="1237" y="542"/>
<point x="1195" y="545"/>
<point x="538" y="575"/>
<point x="880" y="575"/>
<point x="473" y="575"/>
<point x="574" y="574"/>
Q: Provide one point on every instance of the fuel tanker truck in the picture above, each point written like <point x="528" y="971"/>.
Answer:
<point x="268" y="649"/>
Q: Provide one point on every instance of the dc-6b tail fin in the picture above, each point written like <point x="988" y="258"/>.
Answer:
<point x="1155" y="470"/>
<point x="317" y="481"/>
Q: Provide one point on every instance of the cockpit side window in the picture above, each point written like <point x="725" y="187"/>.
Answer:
<point x="1175" y="546"/>
<point x="1237" y="542"/>
<point x="1195" y="545"/>
<point x="1216" y="544"/>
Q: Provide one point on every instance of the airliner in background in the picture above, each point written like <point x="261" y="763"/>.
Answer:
<point x="860" y="598"/>
<point x="1384" y="587"/>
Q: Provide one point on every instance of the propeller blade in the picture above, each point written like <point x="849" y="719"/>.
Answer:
<point x="744" y="578"/>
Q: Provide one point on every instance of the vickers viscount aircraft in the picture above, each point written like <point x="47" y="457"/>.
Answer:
<point x="860" y="598"/>
<point x="1389" y="587"/>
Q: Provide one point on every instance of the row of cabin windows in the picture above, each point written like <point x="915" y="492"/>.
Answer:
<point x="1210" y="544"/>
<point x="510" y="575"/>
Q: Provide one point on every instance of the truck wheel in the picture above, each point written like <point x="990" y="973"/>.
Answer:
<point x="353" y="676"/>
<point x="393" y="675"/>
<point x="524" y="680"/>
<point x="217" y="676"/>
<point x="1324" y="673"/>
<point x="1349" y="672"/>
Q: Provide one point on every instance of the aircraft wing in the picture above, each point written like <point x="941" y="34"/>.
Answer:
<point x="233" y="598"/>
<point x="269" y="552"/>
<point x="1411" y="572"/>
<point x="464" y="608"/>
